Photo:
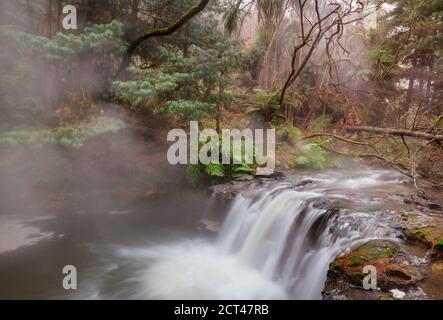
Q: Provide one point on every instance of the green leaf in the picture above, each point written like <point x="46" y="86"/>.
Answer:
<point x="240" y="170"/>
<point x="215" y="170"/>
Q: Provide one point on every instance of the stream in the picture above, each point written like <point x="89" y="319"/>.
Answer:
<point x="275" y="240"/>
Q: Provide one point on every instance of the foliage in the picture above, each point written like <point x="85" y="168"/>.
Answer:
<point x="236" y="169"/>
<point x="184" y="87"/>
<point x="410" y="39"/>
<point x="265" y="103"/>
<point x="382" y="61"/>
<point x="314" y="156"/>
<point x="69" y="136"/>
<point x="215" y="170"/>
<point x="63" y="47"/>
<point x="39" y="74"/>
<point x="289" y="134"/>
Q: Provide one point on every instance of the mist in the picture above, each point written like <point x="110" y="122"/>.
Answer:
<point x="352" y="90"/>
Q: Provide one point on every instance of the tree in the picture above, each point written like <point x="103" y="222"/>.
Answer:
<point x="193" y="11"/>
<point x="186" y="87"/>
<point x="409" y="49"/>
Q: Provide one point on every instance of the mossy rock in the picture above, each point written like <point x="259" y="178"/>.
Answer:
<point x="430" y="234"/>
<point x="385" y="256"/>
<point x="357" y="261"/>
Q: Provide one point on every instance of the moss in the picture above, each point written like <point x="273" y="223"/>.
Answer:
<point x="378" y="253"/>
<point x="423" y="232"/>
<point x="439" y="244"/>
<point x="390" y="252"/>
<point x="357" y="261"/>
<point x="384" y="251"/>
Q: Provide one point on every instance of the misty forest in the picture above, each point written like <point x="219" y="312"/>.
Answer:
<point x="88" y="94"/>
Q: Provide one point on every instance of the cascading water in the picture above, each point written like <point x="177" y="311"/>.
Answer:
<point x="276" y="243"/>
<point x="287" y="239"/>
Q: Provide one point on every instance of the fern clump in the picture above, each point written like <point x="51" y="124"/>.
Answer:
<point x="215" y="170"/>
<point x="238" y="167"/>
<point x="267" y="104"/>
<point x="313" y="156"/>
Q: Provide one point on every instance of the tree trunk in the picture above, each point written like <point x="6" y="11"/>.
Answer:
<point x="57" y="16"/>
<point x="49" y="19"/>
<point x="134" y="10"/>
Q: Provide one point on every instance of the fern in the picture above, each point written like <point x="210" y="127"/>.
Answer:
<point x="215" y="170"/>
<point x="265" y="103"/>
<point x="240" y="170"/>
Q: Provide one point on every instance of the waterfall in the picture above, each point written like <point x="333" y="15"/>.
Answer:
<point x="272" y="234"/>
<point x="275" y="243"/>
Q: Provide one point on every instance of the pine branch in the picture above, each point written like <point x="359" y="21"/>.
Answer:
<point x="193" y="11"/>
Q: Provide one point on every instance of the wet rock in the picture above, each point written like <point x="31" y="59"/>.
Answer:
<point x="304" y="183"/>
<point x="425" y="229"/>
<point x="270" y="174"/>
<point x="326" y="203"/>
<point x="265" y="172"/>
<point x="245" y="178"/>
<point x="422" y="202"/>
<point x="395" y="270"/>
<point x="229" y="191"/>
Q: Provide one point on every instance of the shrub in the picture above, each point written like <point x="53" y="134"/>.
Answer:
<point x="69" y="136"/>
<point x="314" y="156"/>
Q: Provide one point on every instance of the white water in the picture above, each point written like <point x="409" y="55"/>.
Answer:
<point x="274" y="244"/>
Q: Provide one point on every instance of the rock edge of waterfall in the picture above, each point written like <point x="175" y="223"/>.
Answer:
<point x="400" y="274"/>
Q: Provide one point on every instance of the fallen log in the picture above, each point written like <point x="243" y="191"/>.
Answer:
<point x="396" y="132"/>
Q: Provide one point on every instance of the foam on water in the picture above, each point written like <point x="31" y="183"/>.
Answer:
<point x="197" y="270"/>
